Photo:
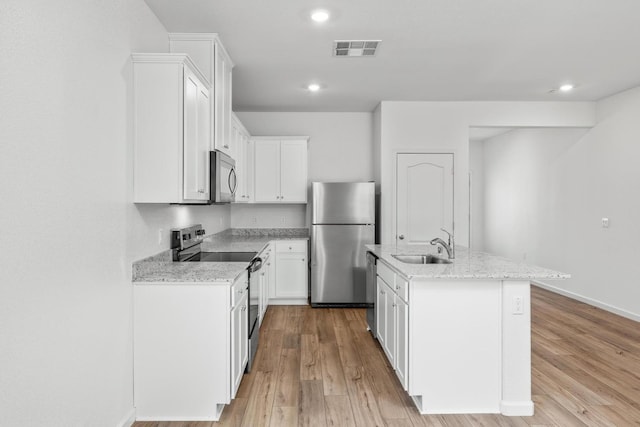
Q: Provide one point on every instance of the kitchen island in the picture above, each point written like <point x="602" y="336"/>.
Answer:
<point x="458" y="334"/>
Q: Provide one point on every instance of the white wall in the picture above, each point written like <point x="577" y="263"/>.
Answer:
<point x="444" y="127"/>
<point x="340" y="149"/>
<point x="547" y="191"/>
<point x="268" y="216"/>
<point x="69" y="229"/>
<point x="476" y="171"/>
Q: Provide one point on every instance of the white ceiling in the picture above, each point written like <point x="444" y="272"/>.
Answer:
<point x="432" y="50"/>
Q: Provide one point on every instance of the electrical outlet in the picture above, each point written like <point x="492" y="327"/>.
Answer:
<point x="518" y="305"/>
<point x="605" y="222"/>
<point x="160" y="234"/>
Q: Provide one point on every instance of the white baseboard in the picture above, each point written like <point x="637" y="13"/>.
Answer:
<point x="590" y="301"/>
<point x="287" y="301"/>
<point x="128" y="419"/>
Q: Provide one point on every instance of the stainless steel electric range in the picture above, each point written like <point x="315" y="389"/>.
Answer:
<point x="186" y="247"/>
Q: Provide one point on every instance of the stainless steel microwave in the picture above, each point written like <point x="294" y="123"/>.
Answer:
<point x="223" y="181"/>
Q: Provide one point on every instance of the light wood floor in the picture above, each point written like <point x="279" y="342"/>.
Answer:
<point x="320" y="367"/>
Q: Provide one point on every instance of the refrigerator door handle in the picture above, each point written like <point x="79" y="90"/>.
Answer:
<point x="314" y="248"/>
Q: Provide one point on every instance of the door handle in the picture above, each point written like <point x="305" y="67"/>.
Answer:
<point x="401" y="237"/>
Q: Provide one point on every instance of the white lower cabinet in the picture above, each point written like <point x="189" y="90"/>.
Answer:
<point x="292" y="272"/>
<point x="265" y="280"/>
<point x="190" y="348"/>
<point x="392" y="320"/>
<point x="402" y="335"/>
<point x="239" y="341"/>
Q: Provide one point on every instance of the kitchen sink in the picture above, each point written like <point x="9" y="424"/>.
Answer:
<point x="421" y="259"/>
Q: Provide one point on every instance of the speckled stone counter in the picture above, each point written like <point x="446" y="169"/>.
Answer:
<point x="467" y="265"/>
<point x="160" y="268"/>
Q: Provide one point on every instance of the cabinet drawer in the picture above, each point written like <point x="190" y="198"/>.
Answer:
<point x="291" y="246"/>
<point x="239" y="288"/>
<point x="386" y="274"/>
<point x="402" y="288"/>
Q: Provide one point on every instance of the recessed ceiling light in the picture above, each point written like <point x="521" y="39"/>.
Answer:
<point x="566" y="87"/>
<point x="313" y="87"/>
<point x="320" y="15"/>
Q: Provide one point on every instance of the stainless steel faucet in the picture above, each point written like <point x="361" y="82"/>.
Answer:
<point x="449" y="247"/>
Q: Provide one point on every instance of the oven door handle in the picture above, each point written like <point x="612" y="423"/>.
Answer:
<point x="256" y="264"/>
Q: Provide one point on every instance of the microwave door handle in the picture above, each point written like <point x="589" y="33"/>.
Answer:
<point x="235" y="182"/>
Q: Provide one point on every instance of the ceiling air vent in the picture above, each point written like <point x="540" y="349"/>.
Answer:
<point x="350" y="48"/>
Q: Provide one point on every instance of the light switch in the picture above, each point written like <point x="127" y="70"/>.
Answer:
<point x="605" y="222"/>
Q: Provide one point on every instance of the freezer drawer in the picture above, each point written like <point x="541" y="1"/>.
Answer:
<point x="338" y="264"/>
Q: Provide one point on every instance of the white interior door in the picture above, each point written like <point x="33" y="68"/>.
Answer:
<point x="424" y="197"/>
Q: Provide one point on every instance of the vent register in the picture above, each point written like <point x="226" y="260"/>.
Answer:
<point x="351" y="48"/>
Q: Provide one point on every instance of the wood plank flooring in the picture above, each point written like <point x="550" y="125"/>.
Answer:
<point x="320" y="367"/>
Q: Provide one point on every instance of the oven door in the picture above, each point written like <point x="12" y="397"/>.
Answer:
<point x="223" y="178"/>
<point x="254" y="301"/>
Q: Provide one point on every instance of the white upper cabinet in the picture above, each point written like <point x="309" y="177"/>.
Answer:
<point x="280" y="171"/>
<point x="172" y="129"/>
<point x="210" y="56"/>
<point x="243" y="155"/>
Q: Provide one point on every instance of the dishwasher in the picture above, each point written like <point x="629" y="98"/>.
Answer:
<point x="371" y="292"/>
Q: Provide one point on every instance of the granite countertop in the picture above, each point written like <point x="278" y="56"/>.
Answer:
<point x="467" y="265"/>
<point x="160" y="268"/>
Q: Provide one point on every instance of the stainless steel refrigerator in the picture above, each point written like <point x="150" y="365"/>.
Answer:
<point x="342" y="222"/>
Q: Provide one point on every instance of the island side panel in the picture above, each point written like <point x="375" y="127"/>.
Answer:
<point x="455" y="352"/>
<point x="516" y="349"/>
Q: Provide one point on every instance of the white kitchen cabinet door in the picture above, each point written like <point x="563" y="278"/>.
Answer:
<point x="214" y="62"/>
<point x="291" y="275"/>
<point x="424" y="192"/>
<point x="222" y="71"/>
<point x="280" y="169"/>
<point x="381" y="313"/>
<point x="239" y="342"/>
<point x="293" y="171"/>
<point x="271" y="271"/>
<point x="389" y="345"/>
<point x="243" y="158"/>
<point x="402" y="343"/>
<point x="249" y="167"/>
<point x="197" y="138"/>
<point x="172" y="130"/>
<point x="267" y="171"/>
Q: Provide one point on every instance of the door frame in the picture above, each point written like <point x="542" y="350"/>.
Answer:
<point x="394" y="188"/>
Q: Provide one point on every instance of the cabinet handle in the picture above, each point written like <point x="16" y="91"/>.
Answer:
<point x="393" y="305"/>
<point x="398" y="287"/>
<point x="381" y="292"/>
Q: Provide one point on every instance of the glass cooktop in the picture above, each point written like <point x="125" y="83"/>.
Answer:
<point x="223" y="257"/>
